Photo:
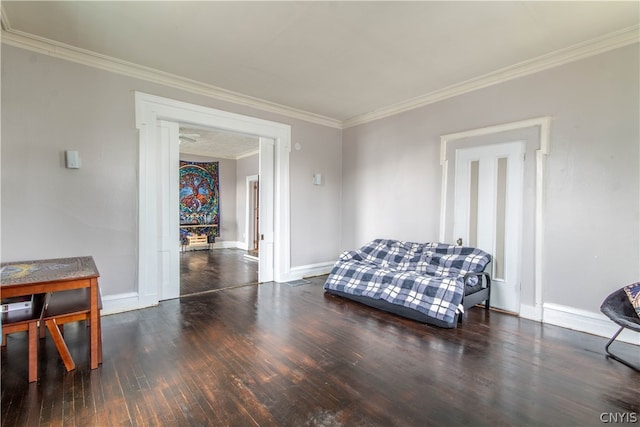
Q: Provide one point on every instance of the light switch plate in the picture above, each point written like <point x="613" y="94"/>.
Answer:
<point x="73" y="159"/>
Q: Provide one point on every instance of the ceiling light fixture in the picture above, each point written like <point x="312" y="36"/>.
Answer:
<point x="187" y="139"/>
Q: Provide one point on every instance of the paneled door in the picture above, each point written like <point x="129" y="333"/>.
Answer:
<point x="488" y="212"/>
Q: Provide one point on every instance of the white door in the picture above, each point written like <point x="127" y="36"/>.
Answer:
<point x="168" y="200"/>
<point x="266" y="205"/>
<point x="488" y="212"/>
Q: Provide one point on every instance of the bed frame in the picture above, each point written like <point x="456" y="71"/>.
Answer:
<point x="473" y="295"/>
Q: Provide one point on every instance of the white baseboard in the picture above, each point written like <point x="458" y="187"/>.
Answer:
<point x="585" y="321"/>
<point x="310" y="270"/>
<point x="531" y="312"/>
<point x="223" y="244"/>
<point x="229" y="244"/>
<point x="119" y="303"/>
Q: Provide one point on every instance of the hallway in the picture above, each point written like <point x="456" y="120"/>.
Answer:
<point x="205" y="271"/>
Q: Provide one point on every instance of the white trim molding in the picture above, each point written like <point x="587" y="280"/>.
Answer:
<point x="228" y="244"/>
<point x="615" y="40"/>
<point x="112" y="304"/>
<point x="559" y="57"/>
<point x="544" y="124"/>
<point x="586" y="321"/>
<point x="92" y="59"/>
<point x="310" y="270"/>
<point x="149" y="110"/>
<point x="222" y="244"/>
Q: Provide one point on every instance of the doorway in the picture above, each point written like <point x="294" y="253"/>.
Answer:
<point x="535" y="133"/>
<point x="158" y="245"/>
<point x="213" y="169"/>
<point x="487" y="210"/>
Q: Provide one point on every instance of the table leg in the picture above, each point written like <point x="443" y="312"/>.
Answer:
<point x="95" y="329"/>
<point x="33" y="351"/>
<point x="99" y="340"/>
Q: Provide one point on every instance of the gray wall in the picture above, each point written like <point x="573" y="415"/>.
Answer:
<point x="49" y="105"/>
<point x="314" y="208"/>
<point x="391" y="171"/>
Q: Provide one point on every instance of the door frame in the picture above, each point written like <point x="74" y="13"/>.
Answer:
<point x="505" y="293"/>
<point x="544" y="125"/>
<point x="169" y="257"/>
<point x="249" y="211"/>
<point x="149" y="109"/>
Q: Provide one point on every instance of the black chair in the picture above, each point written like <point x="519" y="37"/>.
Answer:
<point x="618" y="308"/>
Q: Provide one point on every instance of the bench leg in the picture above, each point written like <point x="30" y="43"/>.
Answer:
<point x="52" y="326"/>
<point x="43" y="331"/>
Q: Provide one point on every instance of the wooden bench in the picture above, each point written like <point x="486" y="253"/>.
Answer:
<point x="50" y="312"/>
<point x="25" y="320"/>
<point x="195" y="240"/>
<point x="66" y="307"/>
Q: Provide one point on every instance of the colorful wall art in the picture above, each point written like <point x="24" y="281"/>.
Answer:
<point x="199" y="197"/>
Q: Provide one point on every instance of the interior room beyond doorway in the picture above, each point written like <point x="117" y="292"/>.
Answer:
<point x="217" y="209"/>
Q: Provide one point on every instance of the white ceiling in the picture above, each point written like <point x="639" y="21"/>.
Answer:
<point x="217" y="143"/>
<point x="339" y="61"/>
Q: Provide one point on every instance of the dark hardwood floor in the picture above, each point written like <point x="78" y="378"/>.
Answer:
<point x="202" y="271"/>
<point x="277" y="355"/>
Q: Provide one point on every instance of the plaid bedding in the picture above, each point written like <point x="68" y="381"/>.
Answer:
<point x="427" y="277"/>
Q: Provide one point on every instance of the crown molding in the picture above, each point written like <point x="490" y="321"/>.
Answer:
<point x="621" y="38"/>
<point x="92" y="59"/>
<point x="4" y="19"/>
<point x="624" y="37"/>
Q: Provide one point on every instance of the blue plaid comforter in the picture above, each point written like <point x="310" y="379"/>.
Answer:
<point x="427" y="277"/>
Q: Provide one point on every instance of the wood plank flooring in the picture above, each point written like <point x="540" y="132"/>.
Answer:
<point x="207" y="270"/>
<point x="277" y="355"/>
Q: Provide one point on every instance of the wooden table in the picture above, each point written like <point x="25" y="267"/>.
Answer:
<point x="52" y="275"/>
